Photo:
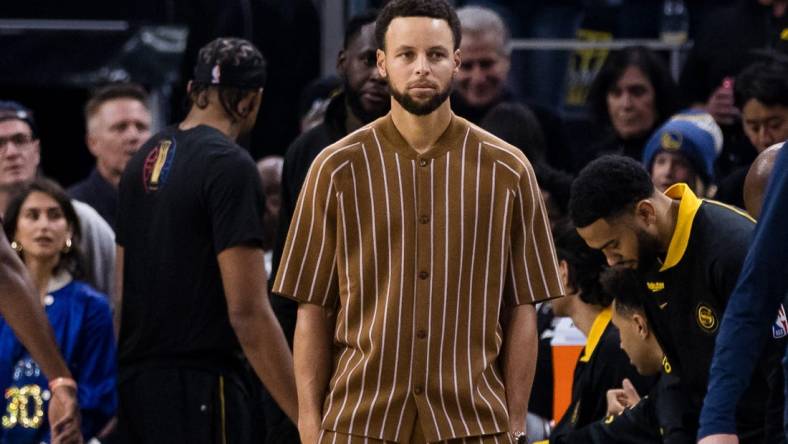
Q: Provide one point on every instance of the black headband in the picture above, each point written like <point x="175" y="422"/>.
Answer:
<point x="244" y="77"/>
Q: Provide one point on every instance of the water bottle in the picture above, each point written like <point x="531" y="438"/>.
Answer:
<point x="675" y="22"/>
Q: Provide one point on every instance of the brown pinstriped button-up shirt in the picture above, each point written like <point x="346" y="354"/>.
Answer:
<point x="419" y="254"/>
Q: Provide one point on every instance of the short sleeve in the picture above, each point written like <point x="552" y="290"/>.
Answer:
<point x="307" y="271"/>
<point x="532" y="274"/>
<point x="234" y="196"/>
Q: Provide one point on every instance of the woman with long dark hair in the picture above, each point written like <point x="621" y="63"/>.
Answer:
<point x="44" y="230"/>
<point x="632" y="95"/>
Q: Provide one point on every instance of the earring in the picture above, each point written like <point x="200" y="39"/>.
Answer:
<point x="67" y="248"/>
<point x="16" y="246"/>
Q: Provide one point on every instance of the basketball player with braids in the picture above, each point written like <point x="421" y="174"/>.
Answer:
<point x="190" y="261"/>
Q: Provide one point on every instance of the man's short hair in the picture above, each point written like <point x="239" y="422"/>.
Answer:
<point x="606" y="188"/>
<point x="625" y="286"/>
<point x="585" y="264"/>
<point x="437" y="9"/>
<point x="478" y="20"/>
<point x="358" y="21"/>
<point x="114" y="91"/>
<point x="766" y="82"/>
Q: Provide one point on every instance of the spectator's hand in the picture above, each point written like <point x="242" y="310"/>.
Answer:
<point x="720" y="439"/>
<point x="64" y="418"/>
<point x="721" y="104"/>
<point x="309" y="428"/>
<point x="620" y="399"/>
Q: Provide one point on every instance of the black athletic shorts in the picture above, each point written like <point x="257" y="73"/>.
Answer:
<point x="185" y="405"/>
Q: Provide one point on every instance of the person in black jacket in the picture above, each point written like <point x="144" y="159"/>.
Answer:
<point x="689" y="253"/>
<point x="603" y="365"/>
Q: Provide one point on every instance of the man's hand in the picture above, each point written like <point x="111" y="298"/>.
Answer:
<point x="720" y="439"/>
<point x="308" y="428"/>
<point x="620" y="399"/>
<point x="64" y="416"/>
<point x="721" y="104"/>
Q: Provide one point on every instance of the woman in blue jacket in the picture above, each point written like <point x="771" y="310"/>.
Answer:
<point x="44" y="230"/>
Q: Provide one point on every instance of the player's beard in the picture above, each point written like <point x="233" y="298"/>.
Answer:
<point x="419" y="108"/>
<point x="354" y="102"/>
<point x="648" y="251"/>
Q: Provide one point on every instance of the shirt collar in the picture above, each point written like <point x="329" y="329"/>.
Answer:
<point x="597" y="328"/>
<point x="387" y="131"/>
<point x="688" y="207"/>
<point x="58" y="281"/>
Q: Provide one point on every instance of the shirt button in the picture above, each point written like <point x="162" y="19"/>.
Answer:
<point x="423" y="275"/>
<point x="418" y="390"/>
<point x="424" y="219"/>
<point x="421" y="334"/>
<point x="424" y="162"/>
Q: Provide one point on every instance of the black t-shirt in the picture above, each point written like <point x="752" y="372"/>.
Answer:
<point x="184" y="197"/>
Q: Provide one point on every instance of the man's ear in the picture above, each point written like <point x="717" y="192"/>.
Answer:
<point x="341" y="63"/>
<point x="642" y="325"/>
<point x="249" y="103"/>
<point x="646" y="212"/>
<point x="380" y="59"/>
<point x="563" y="270"/>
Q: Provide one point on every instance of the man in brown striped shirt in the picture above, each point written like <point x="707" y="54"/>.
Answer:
<point x="417" y="249"/>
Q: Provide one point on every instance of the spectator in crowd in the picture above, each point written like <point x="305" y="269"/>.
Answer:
<point x="758" y="294"/>
<point x="191" y="265"/>
<point x="362" y="99"/>
<point x="631" y="96"/>
<point x="45" y="232"/>
<point x="21" y="309"/>
<point x="270" y="169"/>
<point x="358" y="104"/>
<point x="481" y="83"/>
<point x="761" y="92"/>
<point x="19" y="167"/>
<point x="602" y="365"/>
<point x="729" y="40"/>
<point x="689" y="252"/>
<point x="118" y="122"/>
<point x="684" y="150"/>
<point x="414" y="355"/>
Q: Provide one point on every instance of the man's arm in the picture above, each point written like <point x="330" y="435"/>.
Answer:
<point x="254" y="323"/>
<point x="751" y="310"/>
<point x="21" y="308"/>
<point x="519" y="362"/>
<point x="312" y="357"/>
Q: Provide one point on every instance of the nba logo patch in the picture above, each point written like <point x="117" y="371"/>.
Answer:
<point x="157" y="165"/>
<point x="780" y="327"/>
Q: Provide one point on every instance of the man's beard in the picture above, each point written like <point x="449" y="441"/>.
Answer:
<point x="354" y="102"/>
<point x="648" y="251"/>
<point x="416" y="108"/>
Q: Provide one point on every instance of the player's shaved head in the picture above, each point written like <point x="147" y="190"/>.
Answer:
<point x="758" y="178"/>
